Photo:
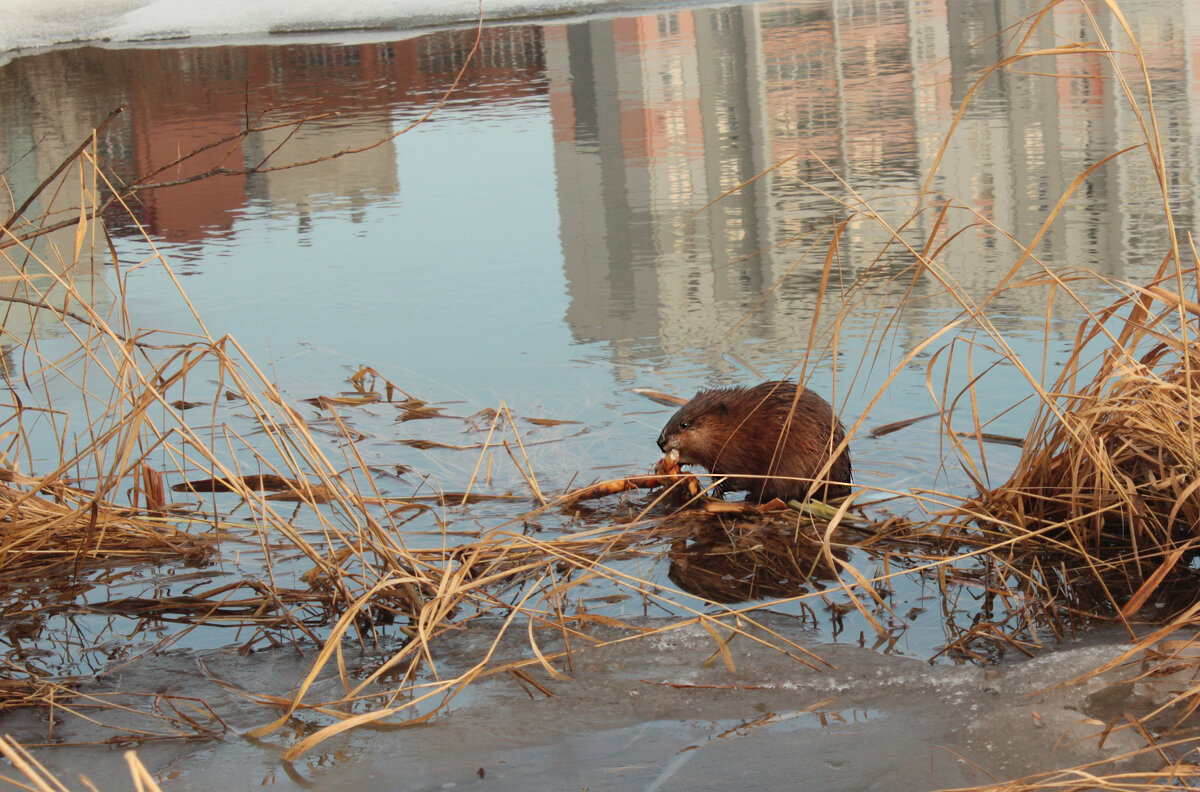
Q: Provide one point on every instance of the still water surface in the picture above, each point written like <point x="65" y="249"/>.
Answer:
<point x="550" y="238"/>
<point x="568" y="224"/>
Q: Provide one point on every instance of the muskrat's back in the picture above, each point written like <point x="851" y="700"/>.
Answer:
<point x="775" y="429"/>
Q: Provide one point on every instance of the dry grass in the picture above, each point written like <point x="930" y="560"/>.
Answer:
<point x="1097" y="522"/>
<point x="37" y="778"/>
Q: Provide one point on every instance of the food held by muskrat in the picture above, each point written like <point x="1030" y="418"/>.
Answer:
<point x="778" y="433"/>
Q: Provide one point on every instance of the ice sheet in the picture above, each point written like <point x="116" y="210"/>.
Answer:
<point x="32" y="24"/>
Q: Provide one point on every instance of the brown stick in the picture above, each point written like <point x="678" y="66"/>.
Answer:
<point x="600" y="489"/>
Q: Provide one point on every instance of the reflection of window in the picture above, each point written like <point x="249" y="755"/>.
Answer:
<point x="668" y="25"/>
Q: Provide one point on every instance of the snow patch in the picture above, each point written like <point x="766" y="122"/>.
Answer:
<point x="34" y="24"/>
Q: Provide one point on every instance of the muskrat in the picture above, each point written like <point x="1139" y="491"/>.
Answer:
<point x="772" y="429"/>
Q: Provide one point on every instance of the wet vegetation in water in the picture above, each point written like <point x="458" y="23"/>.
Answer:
<point x="180" y="471"/>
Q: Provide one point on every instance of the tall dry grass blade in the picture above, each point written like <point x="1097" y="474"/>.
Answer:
<point x="31" y="768"/>
<point x="142" y="780"/>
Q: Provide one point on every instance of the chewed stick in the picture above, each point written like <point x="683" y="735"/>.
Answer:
<point x="666" y="473"/>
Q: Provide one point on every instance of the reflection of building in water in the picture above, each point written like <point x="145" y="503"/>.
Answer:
<point x="1025" y="136"/>
<point x="637" y="146"/>
<point x="1169" y="35"/>
<point x="840" y="97"/>
<point x="410" y="75"/>
<point x="8" y="367"/>
<point x="29" y="281"/>
<point x="654" y="117"/>
<point x="53" y="260"/>
<point x="183" y="100"/>
<point x="50" y="256"/>
<point x="658" y="119"/>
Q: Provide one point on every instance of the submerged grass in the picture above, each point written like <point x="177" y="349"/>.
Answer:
<point x="1098" y="522"/>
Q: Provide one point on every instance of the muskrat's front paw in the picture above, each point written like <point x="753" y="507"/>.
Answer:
<point x="668" y="465"/>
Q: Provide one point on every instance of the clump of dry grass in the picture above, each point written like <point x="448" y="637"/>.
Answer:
<point x="1115" y="470"/>
<point x="112" y="411"/>
<point x="1100" y="513"/>
<point x="53" y="530"/>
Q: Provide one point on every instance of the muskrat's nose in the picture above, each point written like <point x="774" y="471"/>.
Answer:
<point x="662" y="442"/>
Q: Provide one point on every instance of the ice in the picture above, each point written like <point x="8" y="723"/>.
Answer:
<point x="32" y="24"/>
<point x="642" y="715"/>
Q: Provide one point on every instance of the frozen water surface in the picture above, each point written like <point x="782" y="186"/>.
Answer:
<point x="31" y="24"/>
<point x="631" y="716"/>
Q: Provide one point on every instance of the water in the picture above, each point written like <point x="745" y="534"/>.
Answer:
<point x="556" y="233"/>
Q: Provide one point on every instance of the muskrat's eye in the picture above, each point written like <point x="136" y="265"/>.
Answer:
<point x="684" y="424"/>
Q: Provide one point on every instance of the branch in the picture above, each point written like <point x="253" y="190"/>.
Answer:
<point x="46" y="182"/>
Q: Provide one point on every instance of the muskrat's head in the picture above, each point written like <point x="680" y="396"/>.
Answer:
<point x="699" y="429"/>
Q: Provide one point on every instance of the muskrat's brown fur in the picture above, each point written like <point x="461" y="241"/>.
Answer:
<point x="775" y="429"/>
